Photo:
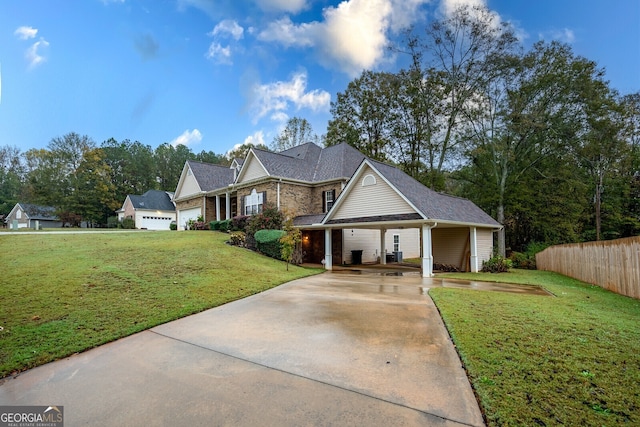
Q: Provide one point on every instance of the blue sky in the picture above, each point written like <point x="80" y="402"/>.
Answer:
<point x="216" y="73"/>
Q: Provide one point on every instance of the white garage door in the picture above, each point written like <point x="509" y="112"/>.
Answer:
<point x="185" y="215"/>
<point x="155" y="222"/>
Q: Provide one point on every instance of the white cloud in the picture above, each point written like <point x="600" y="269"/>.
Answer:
<point x="352" y="36"/>
<point x="219" y="53"/>
<point x="450" y="6"/>
<point x="33" y="54"/>
<point x="565" y="35"/>
<point x="26" y="33"/>
<point x="275" y="98"/>
<point x="256" y="139"/>
<point x="291" y="6"/>
<point x="225" y="29"/>
<point x="187" y="138"/>
<point x="229" y="27"/>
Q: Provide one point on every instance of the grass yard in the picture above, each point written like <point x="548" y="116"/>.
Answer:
<point x="571" y="359"/>
<point x="65" y="293"/>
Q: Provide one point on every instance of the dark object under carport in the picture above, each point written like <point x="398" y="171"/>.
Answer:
<point x="356" y="257"/>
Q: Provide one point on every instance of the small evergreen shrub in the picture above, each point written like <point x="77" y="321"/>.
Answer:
<point x="112" y="222"/>
<point x="128" y="223"/>
<point x="214" y="225"/>
<point x="268" y="242"/>
<point x="224" y="225"/>
<point x="497" y="264"/>
<point x="173" y="226"/>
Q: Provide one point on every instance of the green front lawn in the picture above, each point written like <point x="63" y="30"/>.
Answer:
<point x="65" y="293"/>
<point x="570" y="359"/>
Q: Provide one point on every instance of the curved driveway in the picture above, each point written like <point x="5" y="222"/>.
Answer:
<point x="332" y="349"/>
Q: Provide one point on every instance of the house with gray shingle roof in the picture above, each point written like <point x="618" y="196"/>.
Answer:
<point x="349" y="208"/>
<point x="153" y="210"/>
<point x="27" y="215"/>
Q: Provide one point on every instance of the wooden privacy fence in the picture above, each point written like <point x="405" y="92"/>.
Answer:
<point x="611" y="264"/>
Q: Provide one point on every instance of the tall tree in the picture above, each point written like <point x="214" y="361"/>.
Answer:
<point x="131" y="167"/>
<point x="11" y="177"/>
<point x="296" y="132"/>
<point x="361" y="115"/>
<point x="457" y="49"/>
<point x="169" y="163"/>
<point x="241" y="151"/>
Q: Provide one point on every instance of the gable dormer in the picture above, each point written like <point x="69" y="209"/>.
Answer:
<point x="252" y="169"/>
<point x="188" y="184"/>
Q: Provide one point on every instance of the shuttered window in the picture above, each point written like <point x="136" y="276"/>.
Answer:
<point x="328" y="198"/>
<point x="254" y="202"/>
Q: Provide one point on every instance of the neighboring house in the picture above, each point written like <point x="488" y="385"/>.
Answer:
<point x="154" y="210"/>
<point x="26" y="215"/>
<point x="342" y="202"/>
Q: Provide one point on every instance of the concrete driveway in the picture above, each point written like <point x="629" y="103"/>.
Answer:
<point x="333" y="349"/>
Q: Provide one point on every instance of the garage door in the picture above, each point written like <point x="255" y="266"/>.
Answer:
<point x="185" y="215"/>
<point x="155" y="222"/>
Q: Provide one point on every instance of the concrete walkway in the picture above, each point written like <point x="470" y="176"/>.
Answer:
<point x="333" y="349"/>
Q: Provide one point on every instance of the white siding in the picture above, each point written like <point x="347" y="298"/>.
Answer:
<point x="484" y="239"/>
<point x="189" y="186"/>
<point x="253" y="170"/>
<point x="372" y="200"/>
<point x="451" y="246"/>
<point x="369" y="242"/>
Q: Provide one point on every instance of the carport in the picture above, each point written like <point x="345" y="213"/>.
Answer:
<point x="453" y="231"/>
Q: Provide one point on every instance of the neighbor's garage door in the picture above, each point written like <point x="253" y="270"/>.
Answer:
<point x="155" y="222"/>
<point x="185" y="215"/>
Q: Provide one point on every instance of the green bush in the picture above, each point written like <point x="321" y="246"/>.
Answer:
<point x="128" y="223"/>
<point x="112" y="222"/>
<point x="225" y="225"/>
<point x="268" y="242"/>
<point x="269" y="219"/>
<point x="214" y="225"/>
<point x="497" y="264"/>
<point x="173" y="226"/>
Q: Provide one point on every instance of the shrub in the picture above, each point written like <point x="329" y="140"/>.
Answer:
<point x="128" y="223"/>
<point x="268" y="242"/>
<point x="239" y="223"/>
<point x="224" y="225"/>
<point x="269" y="219"/>
<point x="112" y="222"/>
<point x="497" y="264"/>
<point x="173" y="226"/>
<point x="237" y="238"/>
<point x="214" y="225"/>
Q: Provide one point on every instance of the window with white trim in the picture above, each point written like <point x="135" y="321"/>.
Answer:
<point x="329" y="197"/>
<point x="253" y="203"/>
<point x="396" y="242"/>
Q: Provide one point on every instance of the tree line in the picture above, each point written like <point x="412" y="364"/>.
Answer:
<point x="85" y="181"/>
<point x="536" y="137"/>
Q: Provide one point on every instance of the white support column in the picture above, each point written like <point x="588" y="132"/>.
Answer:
<point x="383" y="252"/>
<point x="228" y="206"/>
<point x="473" y="245"/>
<point x="328" y="265"/>
<point x="427" y="256"/>
<point x="217" y="207"/>
<point x="278" y="195"/>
